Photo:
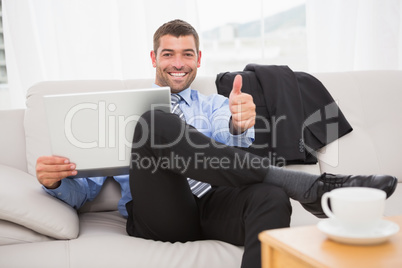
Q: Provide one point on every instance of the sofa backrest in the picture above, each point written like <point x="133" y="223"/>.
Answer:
<point x="12" y="139"/>
<point x="370" y="100"/>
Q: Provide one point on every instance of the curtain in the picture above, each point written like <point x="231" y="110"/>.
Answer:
<point x="346" y="35"/>
<point x="83" y="39"/>
<point x="111" y="39"/>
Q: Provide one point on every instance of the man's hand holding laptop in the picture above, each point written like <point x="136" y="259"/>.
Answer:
<point x="50" y="170"/>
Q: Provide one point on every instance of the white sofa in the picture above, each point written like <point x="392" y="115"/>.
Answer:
<point x="37" y="230"/>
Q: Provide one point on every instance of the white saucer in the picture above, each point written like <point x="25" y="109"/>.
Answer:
<point x="380" y="234"/>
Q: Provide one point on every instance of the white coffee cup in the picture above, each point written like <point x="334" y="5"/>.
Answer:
<point x="356" y="209"/>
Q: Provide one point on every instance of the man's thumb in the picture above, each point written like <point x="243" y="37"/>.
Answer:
<point x="237" y="84"/>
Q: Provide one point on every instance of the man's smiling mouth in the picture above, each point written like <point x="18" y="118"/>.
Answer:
<point x="178" y="74"/>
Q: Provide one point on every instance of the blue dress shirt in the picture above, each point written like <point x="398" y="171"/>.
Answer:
<point x="208" y="114"/>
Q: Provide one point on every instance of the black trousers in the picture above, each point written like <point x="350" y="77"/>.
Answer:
<point x="235" y="210"/>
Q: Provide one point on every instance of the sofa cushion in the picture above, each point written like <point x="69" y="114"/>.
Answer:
<point x="47" y="254"/>
<point x="11" y="233"/>
<point x="103" y="242"/>
<point x="24" y="202"/>
<point x="106" y="200"/>
<point x="103" y="234"/>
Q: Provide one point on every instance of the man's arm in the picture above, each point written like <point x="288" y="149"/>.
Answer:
<point x="51" y="172"/>
<point x="76" y="192"/>
<point x="221" y="121"/>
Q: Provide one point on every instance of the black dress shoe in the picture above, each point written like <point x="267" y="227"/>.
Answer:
<point x="327" y="182"/>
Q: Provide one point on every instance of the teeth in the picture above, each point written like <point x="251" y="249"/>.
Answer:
<point x="177" y="74"/>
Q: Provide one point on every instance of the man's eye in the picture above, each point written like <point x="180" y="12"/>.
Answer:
<point x="166" y="54"/>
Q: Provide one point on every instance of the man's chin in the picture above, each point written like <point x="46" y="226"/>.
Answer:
<point x="177" y="87"/>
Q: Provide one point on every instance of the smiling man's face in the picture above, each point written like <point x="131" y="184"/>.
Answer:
<point x="176" y="62"/>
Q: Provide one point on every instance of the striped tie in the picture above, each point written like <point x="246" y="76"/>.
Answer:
<point x="197" y="188"/>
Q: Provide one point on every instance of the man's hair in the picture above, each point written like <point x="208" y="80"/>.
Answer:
<point x="176" y="28"/>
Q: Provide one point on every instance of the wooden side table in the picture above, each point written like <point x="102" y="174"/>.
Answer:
<point x="307" y="246"/>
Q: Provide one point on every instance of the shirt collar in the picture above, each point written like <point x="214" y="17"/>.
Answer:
<point x="186" y="95"/>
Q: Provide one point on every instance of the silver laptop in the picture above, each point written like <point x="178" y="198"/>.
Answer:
<point x="95" y="130"/>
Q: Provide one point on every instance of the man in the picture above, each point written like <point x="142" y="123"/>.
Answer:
<point x="236" y="201"/>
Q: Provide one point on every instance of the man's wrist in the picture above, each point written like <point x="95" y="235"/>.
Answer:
<point x="234" y="130"/>
<point x="53" y="186"/>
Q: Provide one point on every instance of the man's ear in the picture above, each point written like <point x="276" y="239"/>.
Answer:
<point x="199" y="59"/>
<point x="153" y="58"/>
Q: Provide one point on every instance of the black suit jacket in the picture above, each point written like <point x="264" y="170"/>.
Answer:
<point x="296" y="115"/>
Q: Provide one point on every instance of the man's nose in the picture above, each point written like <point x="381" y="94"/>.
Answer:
<point x="178" y="62"/>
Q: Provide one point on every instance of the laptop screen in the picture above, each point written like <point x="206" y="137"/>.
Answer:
<point x="95" y="130"/>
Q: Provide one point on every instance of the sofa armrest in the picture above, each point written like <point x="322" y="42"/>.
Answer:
<point x="12" y="139"/>
<point x="24" y="202"/>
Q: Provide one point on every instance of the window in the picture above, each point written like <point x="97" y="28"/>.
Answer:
<point x="235" y="33"/>
<point x="4" y="95"/>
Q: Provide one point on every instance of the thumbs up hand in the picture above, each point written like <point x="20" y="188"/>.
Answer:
<point x="242" y="107"/>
